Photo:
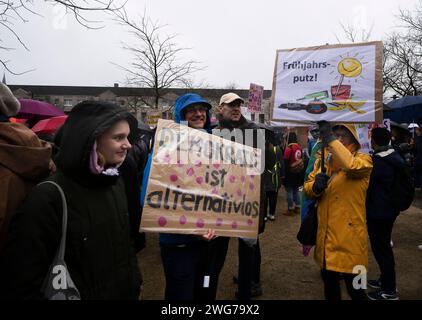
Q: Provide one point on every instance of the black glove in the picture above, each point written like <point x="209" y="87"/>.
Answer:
<point x="320" y="183"/>
<point x="325" y="132"/>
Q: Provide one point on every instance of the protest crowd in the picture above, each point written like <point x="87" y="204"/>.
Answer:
<point x="75" y="200"/>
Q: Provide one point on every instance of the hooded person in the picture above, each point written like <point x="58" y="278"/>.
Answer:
<point x="24" y="160"/>
<point x="381" y="211"/>
<point x="182" y="255"/>
<point x="99" y="254"/>
<point x="342" y="238"/>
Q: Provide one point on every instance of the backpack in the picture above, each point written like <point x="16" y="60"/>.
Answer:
<point x="403" y="190"/>
<point x="297" y="166"/>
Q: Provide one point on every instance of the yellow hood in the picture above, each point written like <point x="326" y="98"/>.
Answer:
<point x="352" y="129"/>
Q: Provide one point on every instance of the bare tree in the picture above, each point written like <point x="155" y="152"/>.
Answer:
<point x="403" y="55"/>
<point x="156" y="58"/>
<point x="353" y="33"/>
<point x="402" y="66"/>
<point x="231" y="86"/>
<point x="20" y="11"/>
<point x="412" y="21"/>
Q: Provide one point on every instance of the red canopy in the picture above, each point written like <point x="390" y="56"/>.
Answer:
<point x="48" y="126"/>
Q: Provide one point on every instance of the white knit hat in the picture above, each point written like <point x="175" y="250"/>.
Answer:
<point x="9" y="105"/>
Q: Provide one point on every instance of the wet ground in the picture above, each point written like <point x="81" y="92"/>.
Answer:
<point x="286" y="274"/>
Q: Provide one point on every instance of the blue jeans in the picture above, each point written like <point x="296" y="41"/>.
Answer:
<point x="293" y="197"/>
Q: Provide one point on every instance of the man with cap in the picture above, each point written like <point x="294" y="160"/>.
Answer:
<point x="230" y="117"/>
<point x="24" y="160"/>
<point x="341" y="249"/>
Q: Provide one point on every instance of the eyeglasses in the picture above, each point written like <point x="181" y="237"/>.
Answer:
<point x="194" y="108"/>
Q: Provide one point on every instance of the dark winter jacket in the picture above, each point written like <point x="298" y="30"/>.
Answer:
<point x="274" y="169"/>
<point x="379" y="195"/>
<point x="418" y="152"/>
<point x="99" y="254"/>
<point x="132" y="171"/>
<point x="132" y="181"/>
<point x="242" y="125"/>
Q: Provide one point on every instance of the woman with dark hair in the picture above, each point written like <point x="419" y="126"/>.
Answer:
<point x="294" y="173"/>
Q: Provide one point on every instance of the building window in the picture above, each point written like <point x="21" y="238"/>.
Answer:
<point x="68" y="103"/>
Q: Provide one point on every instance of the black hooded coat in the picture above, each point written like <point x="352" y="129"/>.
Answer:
<point x="99" y="253"/>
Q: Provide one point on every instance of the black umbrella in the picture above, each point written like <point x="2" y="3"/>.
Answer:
<point x="407" y="109"/>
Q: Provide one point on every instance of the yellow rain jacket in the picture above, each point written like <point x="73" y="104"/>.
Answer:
<point x="342" y="238"/>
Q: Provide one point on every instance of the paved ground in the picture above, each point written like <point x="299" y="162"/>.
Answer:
<point x="286" y="274"/>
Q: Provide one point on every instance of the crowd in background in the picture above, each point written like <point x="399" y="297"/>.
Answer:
<point x="101" y="158"/>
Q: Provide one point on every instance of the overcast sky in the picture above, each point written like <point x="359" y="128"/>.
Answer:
<point x="236" y="40"/>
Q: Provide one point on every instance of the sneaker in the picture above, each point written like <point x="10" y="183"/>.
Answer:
<point x="376" y="284"/>
<point x="381" y="295"/>
<point x="265" y="218"/>
<point x="391" y="243"/>
<point x="271" y="217"/>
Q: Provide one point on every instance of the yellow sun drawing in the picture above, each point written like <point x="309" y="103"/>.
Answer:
<point x="348" y="67"/>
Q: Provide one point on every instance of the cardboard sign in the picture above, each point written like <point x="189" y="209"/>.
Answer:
<point x="256" y="94"/>
<point x="200" y="181"/>
<point x="364" y="133"/>
<point x="341" y="83"/>
<point x="153" y="116"/>
<point x="386" y="123"/>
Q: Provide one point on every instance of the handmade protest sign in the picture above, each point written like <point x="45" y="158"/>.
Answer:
<point x="200" y="181"/>
<point x="386" y="123"/>
<point x="364" y="132"/>
<point x="152" y="117"/>
<point x="341" y="83"/>
<point x="364" y="137"/>
<point x="256" y="92"/>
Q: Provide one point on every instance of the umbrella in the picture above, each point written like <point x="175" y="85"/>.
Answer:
<point x="38" y="109"/>
<point x="407" y="109"/>
<point x="48" y="126"/>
